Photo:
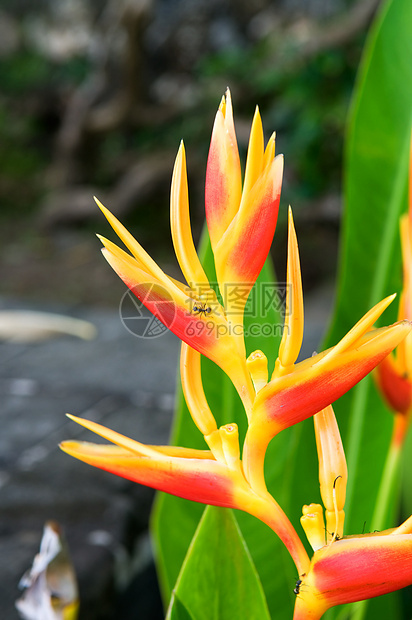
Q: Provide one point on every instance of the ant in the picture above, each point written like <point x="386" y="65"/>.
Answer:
<point x="201" y="308"/>
<point x="297" y="586"/>
<point x="333" y="535"/>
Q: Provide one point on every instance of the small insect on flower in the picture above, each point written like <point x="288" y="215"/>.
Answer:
<point x="296" y="589"/>
<point x="201" y="308"/>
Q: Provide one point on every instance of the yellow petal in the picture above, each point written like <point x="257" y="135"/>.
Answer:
<point x="358" y="330"/>
<point x="135" y="273"/>
<point x="180" y="226"/>
<point x="191" y="378"/>
<point x="254" y="162"/>
<point x="269" y="151"/>
<point x="145" y="261"/>
<point x="293" y="330"/>
<point x="137" y="448"/>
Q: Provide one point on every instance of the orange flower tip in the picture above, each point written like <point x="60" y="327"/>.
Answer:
<point x="405" y="528"/>
<point x="257" y="365"/>
<point x="81" y="421"/>
<point x="229" y="434"/>
<point x="71" y="446"/>
<point x="76" y="419"/>
<point x="389" y="336"/>
<point x="100" y="205"/>
<point x="83" y="450"/>
<point x="359" y="334"/>
<point x="381" y="306"/>
<point x="313" y="524"/>
<point x="405" y="324"/>
<point x="73" y="417"/>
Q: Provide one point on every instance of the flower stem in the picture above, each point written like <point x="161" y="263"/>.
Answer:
<point x="268" y="510"/>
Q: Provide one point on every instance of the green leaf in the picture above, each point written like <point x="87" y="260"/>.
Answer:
<point x="174" y="520"/>
<point x="376" y="161"/>
<point x="218" y="580"/>
<point x="375" y="195"/>
<point x="377" y="154"/>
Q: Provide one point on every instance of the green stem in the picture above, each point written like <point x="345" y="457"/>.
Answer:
<point x="387" y="486"/>
<point x="384" y="500"/>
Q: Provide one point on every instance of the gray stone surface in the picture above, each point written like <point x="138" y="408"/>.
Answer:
<point x="122" y="381"/>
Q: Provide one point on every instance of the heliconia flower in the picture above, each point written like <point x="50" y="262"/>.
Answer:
<point x="297" y="391"/>
<point x="241" y="224"/>
<point x="394" y="374"/>
<point x="354" y="569"/>
<point x="241" y="227"/>
<point x="213" y="476"/>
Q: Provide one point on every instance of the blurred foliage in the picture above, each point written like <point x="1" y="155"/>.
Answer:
<point x="304" y="97"/>
<point x="305" y="101"/>
<point x="32" y="88"/>
<point x="27" y="70"/>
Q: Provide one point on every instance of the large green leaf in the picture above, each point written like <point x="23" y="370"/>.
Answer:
<point x="175" y="520"/>
<point x="377" y="153"/>
<point x="376" y="164"/>
<point x="218" y="580"/>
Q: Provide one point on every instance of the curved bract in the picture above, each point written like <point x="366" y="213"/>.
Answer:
<point x="354" y="569"/>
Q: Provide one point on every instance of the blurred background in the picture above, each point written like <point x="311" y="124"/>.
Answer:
<point x="95" y="97"/>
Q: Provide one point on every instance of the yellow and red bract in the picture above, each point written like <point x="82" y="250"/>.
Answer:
<point x="241" y="223"/>
<point x="354" y="569"/>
